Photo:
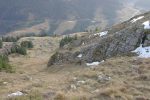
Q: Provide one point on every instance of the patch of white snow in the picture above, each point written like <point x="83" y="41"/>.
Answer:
<point x="79" y="56"/>
<point x="146" y="25"/>
<point x="101" y="33"/>
<point x="143" y="52"/>
<point x="93" y="21"/>
<point x="136" y="19"/>
<point x="71" y="21"/>
<point x="94" y="63"/>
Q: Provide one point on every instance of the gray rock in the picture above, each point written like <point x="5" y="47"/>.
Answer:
<point x="119" y="43"/>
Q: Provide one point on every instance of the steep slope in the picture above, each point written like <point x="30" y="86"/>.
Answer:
<point x="119" y="40"/>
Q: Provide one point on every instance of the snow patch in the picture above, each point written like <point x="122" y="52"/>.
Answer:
<point x="83" y="43"/>
<point x="93" y="21"/>
<point x="18" y="93"/>
<point x="143" y="52"/>
<point x="101" y="33"/>
<point x="79" y="56"/>
<point x="71" y="21"/>
<point x="136" y="19"/>
<point x="94" y="63"/>
<point x="146" y="25"/>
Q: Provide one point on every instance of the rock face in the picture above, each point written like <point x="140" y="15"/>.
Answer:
<point x="119" y="43"/>
<point x="120" y="40"/>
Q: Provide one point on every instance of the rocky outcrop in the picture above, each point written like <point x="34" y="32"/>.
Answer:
<point x="119" y="43"/>
<point x="120" y="40"/>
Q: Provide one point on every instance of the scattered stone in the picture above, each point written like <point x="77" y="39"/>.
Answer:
<point x="75" y="78"/>
<point x="80" y="82"/>
<point x="103" y="78"/>
<point x="5" y="83"/>
<point x="73" y="87"/>
<point x="18" y="93"/>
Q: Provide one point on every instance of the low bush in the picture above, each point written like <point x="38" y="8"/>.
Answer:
<point x="27" y="44"/>
<point x="19" y="50"/>
<point x="10" y="39"/>
<point x="67" y="40"/>
<point x="4" y="65"/>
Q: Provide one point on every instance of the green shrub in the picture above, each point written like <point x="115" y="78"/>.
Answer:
<point x="4" y="65"/>
<point x="13" y="50"/>
<point x="27" y="44"/>
<point x="67" y="40"/>
<point x="19" y="50"/>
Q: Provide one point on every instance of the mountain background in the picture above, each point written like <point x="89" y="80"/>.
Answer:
<point x="66" y="16"/>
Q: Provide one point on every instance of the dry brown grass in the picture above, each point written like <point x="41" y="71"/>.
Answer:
<point x="129" y="76"/>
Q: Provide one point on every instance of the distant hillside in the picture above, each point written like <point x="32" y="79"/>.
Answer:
<point x="78" y="14"/>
